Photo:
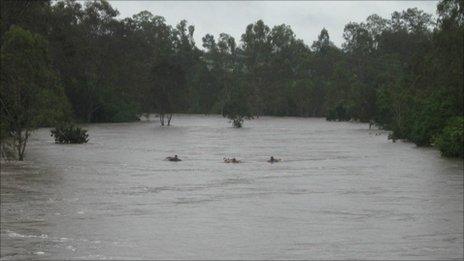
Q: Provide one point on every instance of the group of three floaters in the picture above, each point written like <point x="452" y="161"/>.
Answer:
<point x="226" y="160"/>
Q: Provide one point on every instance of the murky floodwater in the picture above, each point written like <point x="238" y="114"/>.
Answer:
<point x="342" y="191"/>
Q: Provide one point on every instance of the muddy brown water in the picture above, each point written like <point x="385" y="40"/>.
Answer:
<point x="341" y="191"/>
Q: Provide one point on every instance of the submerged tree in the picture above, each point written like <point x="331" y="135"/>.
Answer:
<point x="168" y="79"/>
<point x="236" y="107"/>
<point x="30" y="93"/>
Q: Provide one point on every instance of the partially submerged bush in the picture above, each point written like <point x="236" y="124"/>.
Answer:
<point x="451" y="140"/>
<point x="69" y="133"/>
<point x="238" y="122"/>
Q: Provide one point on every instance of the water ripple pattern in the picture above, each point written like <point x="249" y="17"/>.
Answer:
<point x="341" y="191"/>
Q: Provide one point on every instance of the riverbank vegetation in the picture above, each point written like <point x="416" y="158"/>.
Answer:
<point x="404" y="73"/>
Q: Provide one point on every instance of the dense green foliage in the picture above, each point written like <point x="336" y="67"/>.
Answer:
<point x="69" y="133"/>
<point x="30" y="93"/>
<point x="451" y="140"/>
<point x="236" y="107"/>
<point x="403" y="73"/>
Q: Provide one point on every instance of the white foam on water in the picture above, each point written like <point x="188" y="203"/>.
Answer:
<point x="18" y="235"/>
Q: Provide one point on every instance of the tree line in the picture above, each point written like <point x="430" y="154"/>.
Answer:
<point x="69" y="60"/>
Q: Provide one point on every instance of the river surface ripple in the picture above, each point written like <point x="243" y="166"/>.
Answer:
<point x="342" y="191"/>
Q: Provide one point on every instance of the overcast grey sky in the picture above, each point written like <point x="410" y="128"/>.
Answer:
<point x="306" y="18"/>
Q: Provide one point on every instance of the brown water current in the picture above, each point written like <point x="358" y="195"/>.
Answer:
<point x="341" y="191"/>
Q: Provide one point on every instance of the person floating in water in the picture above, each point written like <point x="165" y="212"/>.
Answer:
<point x="175" y="158"/>
<point x="233" y="160"/>
<point x="273" y="160"/>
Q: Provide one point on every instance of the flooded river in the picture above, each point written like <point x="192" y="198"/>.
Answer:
<point x="341" y="191"/>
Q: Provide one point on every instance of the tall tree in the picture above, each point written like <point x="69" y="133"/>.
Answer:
<point x="30" y="93"/>
<point x="256" y="49"/>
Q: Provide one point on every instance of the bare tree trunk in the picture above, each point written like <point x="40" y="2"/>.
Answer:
<point x="2" y="152"/>
<point x="161" y="116"/>
<point x="169" y="119"/>
<point x="18" y="144"/>
<point x="23" y="149"/>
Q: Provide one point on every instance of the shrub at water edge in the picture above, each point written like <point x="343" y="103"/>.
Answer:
<point x="451" y="140"/>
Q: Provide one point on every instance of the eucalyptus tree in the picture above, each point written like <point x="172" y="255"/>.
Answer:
<point x="28" y="14"/>
<point x="256" y="49"/>
<point x="174" y="95"/>
<point x="324" y="58"/>
<point x="151" y="45"/>
<point x="30" y="91"/>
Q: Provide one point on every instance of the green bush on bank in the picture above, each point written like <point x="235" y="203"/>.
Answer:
<point x="451" y="140"/>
